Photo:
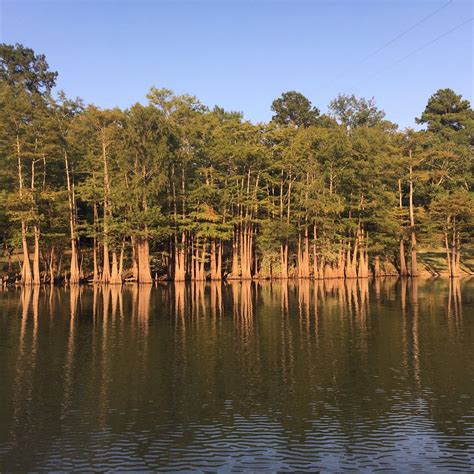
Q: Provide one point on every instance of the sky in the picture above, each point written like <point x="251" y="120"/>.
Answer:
<point x="242" y="54"/>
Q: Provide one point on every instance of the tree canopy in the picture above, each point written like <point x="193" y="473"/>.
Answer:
<point x="293" y="108"/>
<point x="171" y="189"/>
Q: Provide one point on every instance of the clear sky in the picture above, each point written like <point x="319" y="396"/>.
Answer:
<point x="243" y="54"/>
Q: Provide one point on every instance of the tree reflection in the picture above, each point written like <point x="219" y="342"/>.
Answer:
<point x="348" y="361"/>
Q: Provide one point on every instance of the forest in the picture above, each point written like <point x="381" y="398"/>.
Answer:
<point x="174" y="190"/>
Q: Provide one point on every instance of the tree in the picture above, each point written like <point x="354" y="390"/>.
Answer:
<point x="453" y="216"/>
<point x="22" y="68"/>
<point x="174" y="190"/>
<point x="294" y="109"/>
<point x="25" y="86"/>
<point x="447" y="113"/>
<point x="64" y="111"/>
<point x="147" y="141"/>
<point x="351" y="112"/>
<point x="448" y="165"/>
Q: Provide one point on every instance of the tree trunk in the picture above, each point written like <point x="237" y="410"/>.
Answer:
<point x="133" y="241"/>
<point x="458" y="255"/>
<point x="246" y="251"/>
<point x="340" y="262"/>
<point x="26" y="275"/>
<point x="122" y="252"/>
<point x="453" y="251"/>
<point x="455" y="268"/>
<point x="36" y="257"/>
<point x="299" y="257"/>
<point x="213" y="260"/>
<point x="376" y="266"/>
<point x="235" y="255"/>
<point x="74" y="276"/>
<point x="143" y="250"/>
<point x="106" y="262"/>
<point x="315" y="257"/>
<point x="74" y="270"/>
<point x="306" y="258"/>
<point x="95" y="277"/>
<point x="403" y="262"/>
<point x="348" y="264"/>
<point x="362" y="273"/>
<point x="115" y="277"/>
<point x="180" y="260"/>
<point x="284" y="260"/>
<point x="448" y="253"/>
<point x="322" y="266"/>
<point x="414" y="264"/>
<point x="199" y="261"/>
<point x="194" y="244"/>
<point x="303" y="255"/>
<point x="51" y="266"/>
<point x="219" y="260"/>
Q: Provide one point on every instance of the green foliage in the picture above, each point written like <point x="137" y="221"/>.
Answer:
<point x="21" y="67"/>
<point x="293" y="108"/>
<point x="447" y="112"/>
<point x="173" y="167"/>
<point x="351" y="112"/>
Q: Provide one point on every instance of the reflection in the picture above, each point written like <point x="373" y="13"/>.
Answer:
<point x="197" y="302"/>
<point x="403" y="304"/>
<point x="217" y="307"/>
<point x="243" y="305"/>
<point x="143" y="306"/>
<point x="284" y="297"/>
<point x="415" y="335"/>
<point x="116" y="295"/>
<point x="303" y="299"/>
<point x="24" y="378"/>
<point x="352" y="298"/>
<point x="70" y="352"/>
<point x="179" y="300"/>
<point x="73" y="302"/>
<point x="94" y="305"/>
<point x="25" y="299"/>
<point x="169" y="372"/>
<point x="378" y="288"/>
<point x="304" y="304"/>
<point x="104" y="358"/>
<point x="364" y="298"/>
<point x="317" y="289"/>
<point x="389" y="285"/>
<point x="454" y="310"/>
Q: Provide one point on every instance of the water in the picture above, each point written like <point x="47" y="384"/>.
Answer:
<point x="239" y="376"/>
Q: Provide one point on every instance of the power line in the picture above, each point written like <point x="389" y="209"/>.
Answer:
<point x="429" y="43"/>
<point x="391" y="41"/>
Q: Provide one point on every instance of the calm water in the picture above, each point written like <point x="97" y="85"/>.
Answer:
<point x="239" y="377"/>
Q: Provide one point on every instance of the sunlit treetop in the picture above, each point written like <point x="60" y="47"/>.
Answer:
<point x="20" y="66"/>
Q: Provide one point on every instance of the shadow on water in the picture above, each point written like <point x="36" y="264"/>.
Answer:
<point x="242" y="375"/>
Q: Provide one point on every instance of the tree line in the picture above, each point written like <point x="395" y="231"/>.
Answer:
<point x="173" y="190"/>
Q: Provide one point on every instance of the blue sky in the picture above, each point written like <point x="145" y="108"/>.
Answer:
<point x="243" y="54"/>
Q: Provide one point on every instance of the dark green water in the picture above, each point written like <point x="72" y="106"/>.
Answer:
<point x="239" y="377"/>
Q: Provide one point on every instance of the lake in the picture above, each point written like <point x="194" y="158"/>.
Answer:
<point x="239" y="376"/>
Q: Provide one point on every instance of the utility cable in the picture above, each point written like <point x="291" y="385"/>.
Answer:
<point x="390" y="42"/>
<point x="429" y="43"/>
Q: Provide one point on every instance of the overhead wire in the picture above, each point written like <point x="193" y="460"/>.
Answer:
<point x="390" y="42"/>
<point x="412" y="53"/>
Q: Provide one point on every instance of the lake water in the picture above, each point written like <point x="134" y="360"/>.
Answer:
<point x="239" y="376"/>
